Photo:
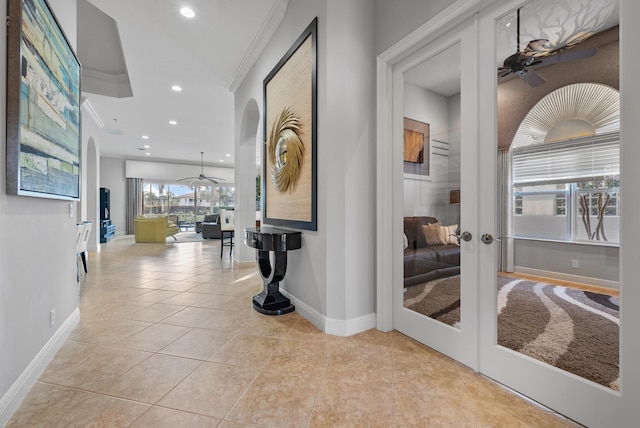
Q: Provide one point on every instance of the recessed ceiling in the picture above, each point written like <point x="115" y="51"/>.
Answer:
<point x="205" y="55"/>
<point x="562" y="22"/>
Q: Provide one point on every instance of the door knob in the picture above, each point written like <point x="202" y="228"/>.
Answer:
<point x="487" y="238"/>
<point x="466" y="236"/>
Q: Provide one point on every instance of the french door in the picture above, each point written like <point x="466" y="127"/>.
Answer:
<point x="523" y="367"/>
<point x="435" y="91"/>
<point x="458" y="188"/>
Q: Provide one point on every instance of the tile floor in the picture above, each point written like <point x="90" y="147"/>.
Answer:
<point x="168" y="338"/>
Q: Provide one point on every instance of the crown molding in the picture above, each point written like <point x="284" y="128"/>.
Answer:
<point x="262" y="37"/>
<point x="91" y="111"/>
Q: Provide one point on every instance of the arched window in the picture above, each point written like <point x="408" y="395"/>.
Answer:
<point x="566" y="166"/>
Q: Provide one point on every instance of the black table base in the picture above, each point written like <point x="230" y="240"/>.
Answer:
<point x="272" y="302"/>
<point x="265" y="240"/>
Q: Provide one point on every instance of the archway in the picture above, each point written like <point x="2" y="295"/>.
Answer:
<point x="245" y="177"/>
<point x="89" y="210"/>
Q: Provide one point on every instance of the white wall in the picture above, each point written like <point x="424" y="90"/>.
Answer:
<point x="112" y="176"/>
<point x="431" y="197"/>
<point x="397" y="19"/>
<point x="331" y="278"/>
<point x="37" y="265"/>
<point x="549" y="258"/>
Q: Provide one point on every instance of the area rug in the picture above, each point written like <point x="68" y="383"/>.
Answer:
<point x="574" y="330"/>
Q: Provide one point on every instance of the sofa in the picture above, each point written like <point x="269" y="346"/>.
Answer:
<point x="425" y="261"/>
<point x="153" y="229"/>
<point x="210" y="227"/>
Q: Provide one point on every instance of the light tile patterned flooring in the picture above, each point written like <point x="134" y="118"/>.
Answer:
<point x="168" y="338"/>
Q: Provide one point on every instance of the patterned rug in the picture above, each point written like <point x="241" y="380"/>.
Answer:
<point x="574" y="330"/>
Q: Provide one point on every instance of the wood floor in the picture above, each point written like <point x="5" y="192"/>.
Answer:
<point x="568" y="284"/>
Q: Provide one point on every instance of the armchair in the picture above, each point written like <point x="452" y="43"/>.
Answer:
<point x="210" y="227"/>
<point x="153" y="229"/>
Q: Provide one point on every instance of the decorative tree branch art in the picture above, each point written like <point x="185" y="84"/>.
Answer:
<point x="602" y="202"/>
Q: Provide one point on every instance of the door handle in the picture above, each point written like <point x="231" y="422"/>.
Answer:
<point x="466" y="236"/>
<point x="487" y="238"/>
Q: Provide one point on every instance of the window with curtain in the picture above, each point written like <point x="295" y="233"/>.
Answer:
<point x="568" y="190"/>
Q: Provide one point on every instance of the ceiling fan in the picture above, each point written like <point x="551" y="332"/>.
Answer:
<point x="537" y="52"/>
<point x="201" y="177"/>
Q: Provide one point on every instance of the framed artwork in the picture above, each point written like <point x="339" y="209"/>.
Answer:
<point x="43" y="105"/>
<point x="416" y="147"/>
<point x="289" y="161"/>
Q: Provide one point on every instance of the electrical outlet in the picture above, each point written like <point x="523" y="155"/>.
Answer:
<point x="52" y="318"/>
<point x="575" y="263"/>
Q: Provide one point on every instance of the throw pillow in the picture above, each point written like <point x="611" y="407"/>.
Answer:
<point x="433" y="234"/>
<point x="451" y="234"/>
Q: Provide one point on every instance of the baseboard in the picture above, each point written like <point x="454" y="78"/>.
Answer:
<point x="587" y="280"/>
<point x="332" y="326"/>
<point x="246" y="264"/>
<point x="21" y="387"/>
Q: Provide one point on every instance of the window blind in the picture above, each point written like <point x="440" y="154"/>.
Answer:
<point x="567" y="161"/>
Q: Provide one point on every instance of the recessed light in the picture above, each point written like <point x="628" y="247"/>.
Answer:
<point x="221" y="160"/>
<point x="148" y="154"/>
<point x="228" y="155"/>
<point x="176" y="88"/>
<point x="145" y="146"/>
<point x="187" y="12"/>
<point x="145" y="137"/>
<point x="173" y="122"/>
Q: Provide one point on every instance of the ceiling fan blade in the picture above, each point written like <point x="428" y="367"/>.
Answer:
<point x="532" y="78"/>
<point x="568" y="56"/>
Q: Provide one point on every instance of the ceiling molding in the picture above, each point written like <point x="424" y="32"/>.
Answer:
<point x="93" y="114"/>
<point x="112" y="85"/>
<point x="269" y="26"/>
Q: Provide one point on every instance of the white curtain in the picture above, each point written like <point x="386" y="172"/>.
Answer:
<point x="505" y="211"/>
<point x="134" y="202"/>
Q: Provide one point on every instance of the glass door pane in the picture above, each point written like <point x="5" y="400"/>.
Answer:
<point x="432" y="187"/>
<point x="435" y="168"/>
<point x="558" y="303"/>
<point x="550" y="317"/>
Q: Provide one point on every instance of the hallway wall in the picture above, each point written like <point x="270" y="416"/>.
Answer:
<point x="331" y="278"/>
<point x="37" y="264"/>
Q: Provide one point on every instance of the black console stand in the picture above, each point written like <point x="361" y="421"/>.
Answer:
<point x="268" y="240"/>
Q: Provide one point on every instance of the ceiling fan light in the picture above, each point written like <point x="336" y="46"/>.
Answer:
<point x="187" y="12"/>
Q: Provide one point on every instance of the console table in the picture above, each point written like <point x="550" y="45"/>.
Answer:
<point x="267" y="239"/>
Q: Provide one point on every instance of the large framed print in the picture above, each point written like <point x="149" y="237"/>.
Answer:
<point x="289" y="161"/>
<point x="43" y="105"/>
